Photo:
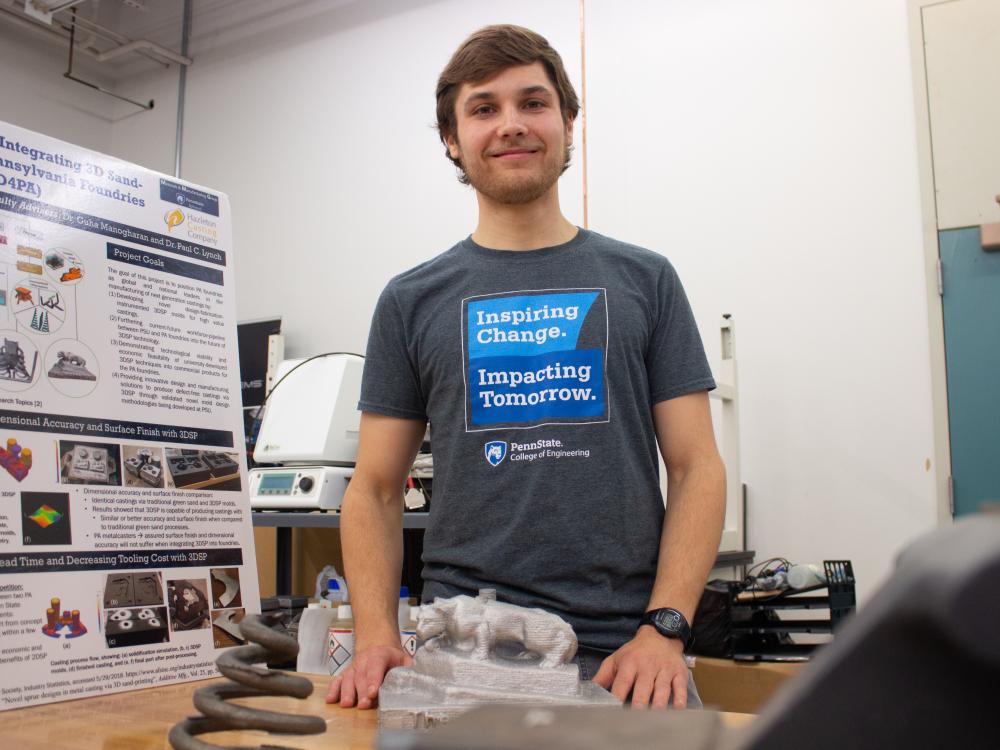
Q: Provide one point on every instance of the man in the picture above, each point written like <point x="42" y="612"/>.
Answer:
<point x="550" y="361"/>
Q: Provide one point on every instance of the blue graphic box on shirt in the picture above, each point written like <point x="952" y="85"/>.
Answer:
<point x="535" y="357"/>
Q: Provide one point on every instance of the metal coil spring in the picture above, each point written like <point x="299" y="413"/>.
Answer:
<point x="248" y="681"/>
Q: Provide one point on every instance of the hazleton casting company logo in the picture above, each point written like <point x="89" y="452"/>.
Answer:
<point x="496" y="452"/>
<point x="173" y="219"/>
<point x="202" y="229"/>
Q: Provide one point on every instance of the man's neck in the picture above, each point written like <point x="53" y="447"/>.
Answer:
<point x="528" y="226"/>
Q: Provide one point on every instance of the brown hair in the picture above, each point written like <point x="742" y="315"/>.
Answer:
<point x="487" y="53"/>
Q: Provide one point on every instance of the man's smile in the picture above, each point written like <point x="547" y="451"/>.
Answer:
<point x="514" y="154"/>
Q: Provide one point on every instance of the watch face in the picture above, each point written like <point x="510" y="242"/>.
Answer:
<point x="669" y="620"/>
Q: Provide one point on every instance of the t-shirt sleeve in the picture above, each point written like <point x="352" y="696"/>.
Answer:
<point x="390" y="384"/>
<point x="675" y="360"/>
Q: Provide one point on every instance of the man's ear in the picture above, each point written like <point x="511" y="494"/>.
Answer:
<point x="452" y="143"/>
<point x="569" y="130"/>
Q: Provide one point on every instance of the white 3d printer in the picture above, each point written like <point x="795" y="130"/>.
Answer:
<point x="310" y="431"/>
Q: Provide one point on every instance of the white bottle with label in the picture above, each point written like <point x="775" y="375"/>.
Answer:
<point x="407" y="629"/>
<point x="408" y="632"/>
<point x="314" y="628"/>
<point x="341" y="640"/>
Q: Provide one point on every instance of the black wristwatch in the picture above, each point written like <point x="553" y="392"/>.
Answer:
<point x="669" y="623"/>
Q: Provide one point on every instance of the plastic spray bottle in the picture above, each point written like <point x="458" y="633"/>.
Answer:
<point x="335" y="596"/>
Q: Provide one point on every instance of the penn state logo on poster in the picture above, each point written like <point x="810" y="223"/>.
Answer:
<point x="496" y="452"/>
<point x="535" y="357"/>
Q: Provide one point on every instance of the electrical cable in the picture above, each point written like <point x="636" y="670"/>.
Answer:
<point x="763" y="567"/>
<point x="752" y="583"/>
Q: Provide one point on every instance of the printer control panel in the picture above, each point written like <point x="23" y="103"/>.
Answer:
<point x="298" y="487"/>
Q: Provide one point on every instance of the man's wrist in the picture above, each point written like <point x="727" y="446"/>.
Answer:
<point x="367" y="645"/>
<point x="381" y="636"/>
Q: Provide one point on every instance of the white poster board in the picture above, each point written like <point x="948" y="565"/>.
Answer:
<point x="126" y="546"/>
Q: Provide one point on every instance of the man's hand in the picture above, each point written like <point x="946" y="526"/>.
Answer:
<point x="360" y="682"/>
<point x="649" y="666"/>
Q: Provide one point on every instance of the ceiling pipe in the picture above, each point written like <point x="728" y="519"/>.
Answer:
<point x="114" y="36"/>
<point x="44" y="8"/>
<point x="102" y="31"/>
<point x="132" y="46"/>
<point x="141" y="44"/>
<point x="149" y="49"/>
<point x="90" y="42"/>
<point x="51" y="33"/>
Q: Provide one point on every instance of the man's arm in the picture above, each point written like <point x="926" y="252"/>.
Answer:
<point x="651" y="666"/>
<point x="371" y="530"/>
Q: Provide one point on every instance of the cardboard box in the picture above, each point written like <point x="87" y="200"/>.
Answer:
<point x="739" y="686"/>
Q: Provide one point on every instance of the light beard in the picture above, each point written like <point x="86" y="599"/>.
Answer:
<point x="515" y="189"/>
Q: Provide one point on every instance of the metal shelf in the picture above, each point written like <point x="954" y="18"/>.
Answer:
<point x="784" y="626"/>
<point x="790" y="652"/>
<point x="790" y="602"/>
<point x="734" y="557"/>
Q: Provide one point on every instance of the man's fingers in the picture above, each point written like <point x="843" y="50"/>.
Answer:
<point x="375" y="673"/>
<point x="680" y="685"/>
<point x="606" y="673"/>
<point x="624" y="680"/>
<point x="661" y="693"/>
<point x="347" y="691"/>
<point x="360" y="682"/>
<point x="333" y="692"/>
<point x="643" y="689"/>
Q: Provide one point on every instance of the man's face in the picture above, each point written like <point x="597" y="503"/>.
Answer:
<point x="512" y="139"/>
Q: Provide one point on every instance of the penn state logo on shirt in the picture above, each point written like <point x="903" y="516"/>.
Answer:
<point x="496" y="452"/>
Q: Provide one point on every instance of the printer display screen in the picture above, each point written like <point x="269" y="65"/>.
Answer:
<point x="277" y="482"/>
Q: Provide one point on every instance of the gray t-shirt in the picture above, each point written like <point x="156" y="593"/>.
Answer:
<point x="538" y="372"/>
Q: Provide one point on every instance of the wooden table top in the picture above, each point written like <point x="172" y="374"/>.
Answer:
<point x="140" y="720"/>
